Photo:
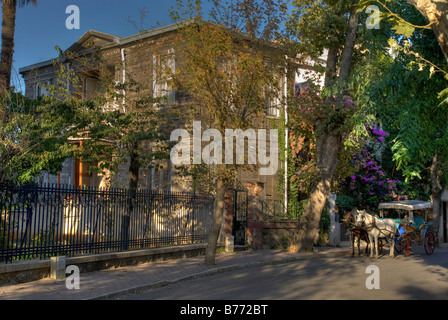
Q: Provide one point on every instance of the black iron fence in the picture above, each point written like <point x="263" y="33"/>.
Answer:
<point x="40" y="222"/>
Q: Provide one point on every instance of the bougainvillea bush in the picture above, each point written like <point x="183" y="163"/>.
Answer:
<point x="369" y="185"/>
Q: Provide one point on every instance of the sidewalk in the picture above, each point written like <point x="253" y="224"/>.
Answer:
<point x="107" y="284"/>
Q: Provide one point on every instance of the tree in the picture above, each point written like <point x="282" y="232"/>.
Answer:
<point x="34" y="137"/>
<point x="9" y="8"/>
<point x="319" y="25"/>
<point x="418" y="125"/>
<point x="434" y="13"/>
<point x="225" y="72"/>
<point x="414" y="117"/>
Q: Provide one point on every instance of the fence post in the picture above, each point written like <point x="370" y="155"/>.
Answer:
<point x="230" y="244"/>
<point x="57" y="269"/>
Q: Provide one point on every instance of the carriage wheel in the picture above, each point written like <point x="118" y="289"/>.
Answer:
<point x="407" y="248"/>
<point x="399" y="246"/>
<point x="430" y="241"/>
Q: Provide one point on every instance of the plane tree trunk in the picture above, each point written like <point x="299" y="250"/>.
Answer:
<point x="328" y="142"/>
<point x="436" y="194"/>
<point x="215" y="229"/>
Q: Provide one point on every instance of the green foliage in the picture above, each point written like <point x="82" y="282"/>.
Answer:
<point x="403" y="89"/>
<point x="345" y="203"/>
<point x="328" y="19"/>
<point x="33" y="137"/>
<point x="397" y="14"/>
<point x="416" y="118"/>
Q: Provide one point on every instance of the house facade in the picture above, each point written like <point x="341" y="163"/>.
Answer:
<point x="139" y="56"/>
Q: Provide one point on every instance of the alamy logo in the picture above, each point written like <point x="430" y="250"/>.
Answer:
<point x="73" y="20"/>
<point x="373" y="281"/>
<point x="257" y="147"/>
<point x="72" y="281"/>
<point x="373" y="21"/>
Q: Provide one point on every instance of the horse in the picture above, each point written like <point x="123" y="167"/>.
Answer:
<point x="377" y="228"/>
<point x="355" y="232"/>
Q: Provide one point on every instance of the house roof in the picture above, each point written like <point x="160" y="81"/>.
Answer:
<point x="101" y="39"/>
<point x="106" y="40"/>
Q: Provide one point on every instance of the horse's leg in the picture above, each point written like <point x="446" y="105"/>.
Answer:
<point x="359" y="244"/>
<point x="368" y="246"/>
<point x="352" y="236"/>
<point x="371" y="244"/>
<point x="392" y="246"/>
<point x="376" y="246"/>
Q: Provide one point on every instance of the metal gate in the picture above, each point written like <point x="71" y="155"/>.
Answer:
<point x="240" y="209"/>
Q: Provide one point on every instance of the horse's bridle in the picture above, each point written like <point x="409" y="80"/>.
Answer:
<point x="367" y="227"/>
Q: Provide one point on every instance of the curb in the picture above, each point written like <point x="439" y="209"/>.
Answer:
<point x="214" y="271"/>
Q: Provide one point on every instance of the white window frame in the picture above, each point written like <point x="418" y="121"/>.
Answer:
<point x="161" y="86"/>
<point x="273" y="104"/>
<point x="38" y="87"/>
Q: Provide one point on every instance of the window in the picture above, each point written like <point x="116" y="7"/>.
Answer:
<point x="91" y="85"/>
<point x="163" y="67"/>
<point x="42" y="89"/>
<point x="91" y="88"/>
<point x="272" y="105"/>
<point x="273" y="101"/>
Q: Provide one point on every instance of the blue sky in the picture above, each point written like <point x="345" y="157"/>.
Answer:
<point x="40" y="28"/>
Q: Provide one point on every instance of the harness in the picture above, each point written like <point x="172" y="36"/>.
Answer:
<point x="373" y="225"/>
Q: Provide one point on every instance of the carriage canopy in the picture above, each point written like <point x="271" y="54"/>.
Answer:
<point x="409" y="205"/>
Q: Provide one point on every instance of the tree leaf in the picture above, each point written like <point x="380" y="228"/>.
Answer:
<point x="402" y="28"/>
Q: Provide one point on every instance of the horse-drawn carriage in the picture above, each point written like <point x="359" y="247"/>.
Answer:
<point x="413" y="225"/>
<point x="409" y="223"/>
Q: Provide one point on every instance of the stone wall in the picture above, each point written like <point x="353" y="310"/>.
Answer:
<point x="27" y="271"/>
<point x="278" y="234"/>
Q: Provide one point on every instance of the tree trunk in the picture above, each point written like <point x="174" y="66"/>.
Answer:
<point x="134" y="168"/>
<point x="435" y="12"/>
<point x="349" y="45"/>
<point x="218" y="213"/>
<point x="436" y="194"/>
<point x="328" y="143"/>
<point x="8" y="30"/>
<point x="327" y="148"/>
<point x="331" y="65"/>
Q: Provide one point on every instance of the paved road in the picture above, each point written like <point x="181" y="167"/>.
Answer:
<point x="342" y="278"/>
